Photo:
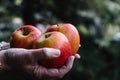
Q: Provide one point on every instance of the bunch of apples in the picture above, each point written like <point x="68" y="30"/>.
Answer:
<point x="63" y="36"/>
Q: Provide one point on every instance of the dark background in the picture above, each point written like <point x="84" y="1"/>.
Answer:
<point x="98" y="22"/>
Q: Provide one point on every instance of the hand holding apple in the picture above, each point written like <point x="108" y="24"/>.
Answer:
<point x="64" y="37"/>
<point x="55" y="40"/>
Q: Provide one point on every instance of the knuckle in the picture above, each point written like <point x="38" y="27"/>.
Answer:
<point x="45" y="52"/>
<point x="37" y="72"/>
<point x="69" y="67"/>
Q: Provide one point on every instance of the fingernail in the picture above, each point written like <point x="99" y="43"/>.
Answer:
<point x="79" y="45"/>
<point x="77" y="56"/>
<point x="56" y="53"/>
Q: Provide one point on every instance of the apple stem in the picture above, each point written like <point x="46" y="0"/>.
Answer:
<point x="47" y="35"/>
<point x="26" y="32"/>
<point x="57" y="24"/>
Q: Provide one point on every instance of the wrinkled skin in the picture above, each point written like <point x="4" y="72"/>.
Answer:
<point x="25" y="63"/>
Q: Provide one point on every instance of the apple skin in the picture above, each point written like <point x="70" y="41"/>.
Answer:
<point x="54" y="40"/>
<point x="24" y="37"/>
<point x="70" y="32"/>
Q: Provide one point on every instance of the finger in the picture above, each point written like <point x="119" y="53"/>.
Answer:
<point x="77" y="56"/>
<point x="40" y="72"/>
<point x="79" y="45"/>
<point x="67" y="67"/>
<point x="68" y="64"/>
<point x="55" y="72"/>
<point x="45" y="53"/>
<point x="35" y="72"/>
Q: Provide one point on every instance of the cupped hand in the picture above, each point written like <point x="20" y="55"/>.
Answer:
<point x="25" y="63"/>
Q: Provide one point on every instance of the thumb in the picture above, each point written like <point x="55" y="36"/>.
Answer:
<point x="45" y="53"/>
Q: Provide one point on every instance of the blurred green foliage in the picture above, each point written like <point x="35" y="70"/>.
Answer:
<point x="98" y="22"/>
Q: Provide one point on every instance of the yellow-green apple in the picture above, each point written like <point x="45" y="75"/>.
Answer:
<point x="55" y="40"/>
<point x="24" y="37"/>
<point x="70" y="32"/>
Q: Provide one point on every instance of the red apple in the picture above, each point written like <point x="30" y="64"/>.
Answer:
<point x="55" y="40"/>
<point x="24" y="37"/>
<point x="70" y="32"/>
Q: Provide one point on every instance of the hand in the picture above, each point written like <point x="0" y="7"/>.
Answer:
<point x="25" y="62"/>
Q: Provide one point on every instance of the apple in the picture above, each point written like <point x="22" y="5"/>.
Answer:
<point x="70" y="32"/>
<point x="55" y="40"/>
<point x="24" y="37"/>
